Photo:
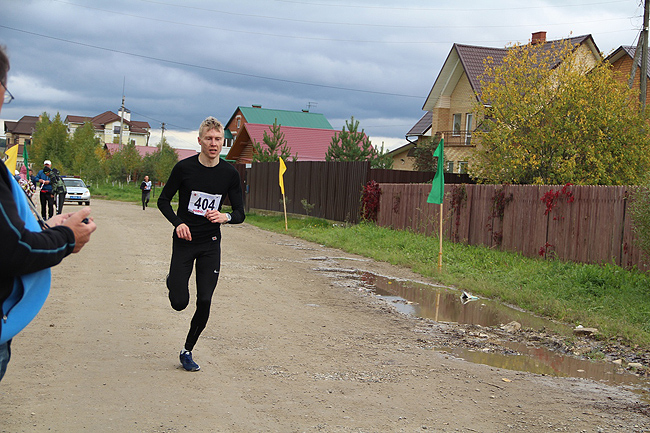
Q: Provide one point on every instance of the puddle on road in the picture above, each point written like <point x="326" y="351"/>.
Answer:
<point x="445" y="305"/>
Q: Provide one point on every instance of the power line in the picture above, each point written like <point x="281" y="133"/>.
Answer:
<point x="208" y="68"/>
<point x="341" y="5"/>
<point x="160" y="121"/>
<point x="409" y="26"/>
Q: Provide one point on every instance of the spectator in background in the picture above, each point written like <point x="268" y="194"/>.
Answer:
<point x="58" y="189"/>
<point x="46" y="196"/>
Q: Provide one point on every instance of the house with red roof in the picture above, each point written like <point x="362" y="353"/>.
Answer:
<point x="267" y="116"/>
<point x="306" y="144"/>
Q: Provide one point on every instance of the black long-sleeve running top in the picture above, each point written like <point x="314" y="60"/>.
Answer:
<point x="200" y="188"/>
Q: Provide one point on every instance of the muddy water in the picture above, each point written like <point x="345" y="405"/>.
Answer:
<point x="449" y="305"/>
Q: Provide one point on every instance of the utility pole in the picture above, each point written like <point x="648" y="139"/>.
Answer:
<point x="122" y="115"/>
<point x="637" y="55"/>
<point x="122" y="121"/>
<point x="162" y="134"/>
<point x="644" y="57"/>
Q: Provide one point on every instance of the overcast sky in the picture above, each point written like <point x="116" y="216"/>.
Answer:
<point x="178" y="61"/>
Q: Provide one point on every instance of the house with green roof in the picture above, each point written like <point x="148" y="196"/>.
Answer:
<point x="265" y="116"/>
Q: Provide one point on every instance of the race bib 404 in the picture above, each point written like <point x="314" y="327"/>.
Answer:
<point x="201" y="202"/>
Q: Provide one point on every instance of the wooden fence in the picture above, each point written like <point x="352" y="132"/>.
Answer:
<point x="334" y="188"/>
<point x="587" y="224"/>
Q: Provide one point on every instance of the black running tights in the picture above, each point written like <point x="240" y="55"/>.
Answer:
<point x="207" y="256"/>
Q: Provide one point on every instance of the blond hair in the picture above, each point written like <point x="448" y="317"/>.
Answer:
<point x="208" y="124"/>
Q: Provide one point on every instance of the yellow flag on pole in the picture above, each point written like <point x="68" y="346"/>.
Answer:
<point x="283" y="168"/>
<point x="10" y="162"/>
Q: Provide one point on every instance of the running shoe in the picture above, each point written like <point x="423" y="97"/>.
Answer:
<point x="188" y="362"/>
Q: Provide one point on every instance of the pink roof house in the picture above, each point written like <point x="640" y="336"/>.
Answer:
<point x="307" y="144"/>
<point x="147" y="150"/>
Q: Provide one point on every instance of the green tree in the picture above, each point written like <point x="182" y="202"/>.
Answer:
<point x="353" y="145"/>
<point x="551" y="118"/>
<point x="37" y="149"/>
<point x="382" y="159"/>
<point x="158" y="165"/>
<point x="125" y="164"/>
<point x="50" y="141"/>
<point x="640" y="208"/>
<point x="350" y="144"/>
<point x="276" y="146"/>
<point x="85" y="160"/>
<point x="424" y="159"/>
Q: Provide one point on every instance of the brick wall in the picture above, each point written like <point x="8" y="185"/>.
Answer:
<point x="622" y="69"/>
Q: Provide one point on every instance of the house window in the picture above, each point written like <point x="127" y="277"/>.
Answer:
<point x="468" y="128"/>
<point x="450" y="166"/>
<point x="238" y="122"/>
<point x="116" y="129"/>
<point x="456" y="124"/>
<point x="462" y="167"/>
<point x="28" y="141"/>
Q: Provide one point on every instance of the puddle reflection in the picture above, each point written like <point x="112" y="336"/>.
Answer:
<point x="445" y="305"/>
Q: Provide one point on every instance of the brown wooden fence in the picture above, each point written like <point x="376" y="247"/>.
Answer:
<point x="334" y="188"/>
<point x="592" y="227"/>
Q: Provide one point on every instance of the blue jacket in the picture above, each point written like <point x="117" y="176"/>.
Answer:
<point x="41" y="175"/>
<point x="26" y="256"/>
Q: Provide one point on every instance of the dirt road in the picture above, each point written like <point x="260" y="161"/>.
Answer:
<point x="287" y="349"/>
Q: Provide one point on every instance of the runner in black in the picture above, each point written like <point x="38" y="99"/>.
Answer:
<point x="202" y="183"/>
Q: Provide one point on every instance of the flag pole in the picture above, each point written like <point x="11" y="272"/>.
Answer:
<point x="284" y="202"/>
<point x="437" y="194"/>
<point x="440" y="230"/>
<point x="440" y="236"/>
<point x="283" y="168"/>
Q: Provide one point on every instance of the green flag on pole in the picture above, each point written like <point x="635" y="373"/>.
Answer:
<point x="438" y="185"/>
<point x="25" y="160"/>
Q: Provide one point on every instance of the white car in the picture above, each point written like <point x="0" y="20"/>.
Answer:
<point x="77" y="191"/>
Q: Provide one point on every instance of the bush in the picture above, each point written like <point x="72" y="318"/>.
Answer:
<point x="640" y="208"/>
<point x="370" y="201"/>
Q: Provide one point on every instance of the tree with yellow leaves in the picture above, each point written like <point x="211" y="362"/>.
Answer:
<point x="551" y="118"/>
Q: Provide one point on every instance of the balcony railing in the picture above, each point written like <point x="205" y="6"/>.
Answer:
<point x="457" y="138"/>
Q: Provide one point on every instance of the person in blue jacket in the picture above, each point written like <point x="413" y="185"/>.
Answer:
<point x="46" y="194"/>
<point x="30" y="247"/>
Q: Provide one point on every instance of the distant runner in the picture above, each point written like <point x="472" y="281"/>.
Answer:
<point x="145" y="186"/>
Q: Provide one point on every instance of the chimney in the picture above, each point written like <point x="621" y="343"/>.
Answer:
<point x="538" y="38"/>
<point x="257" y="106"/>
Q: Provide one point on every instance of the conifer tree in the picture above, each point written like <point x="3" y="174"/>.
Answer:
<point x="276" y="146"/>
